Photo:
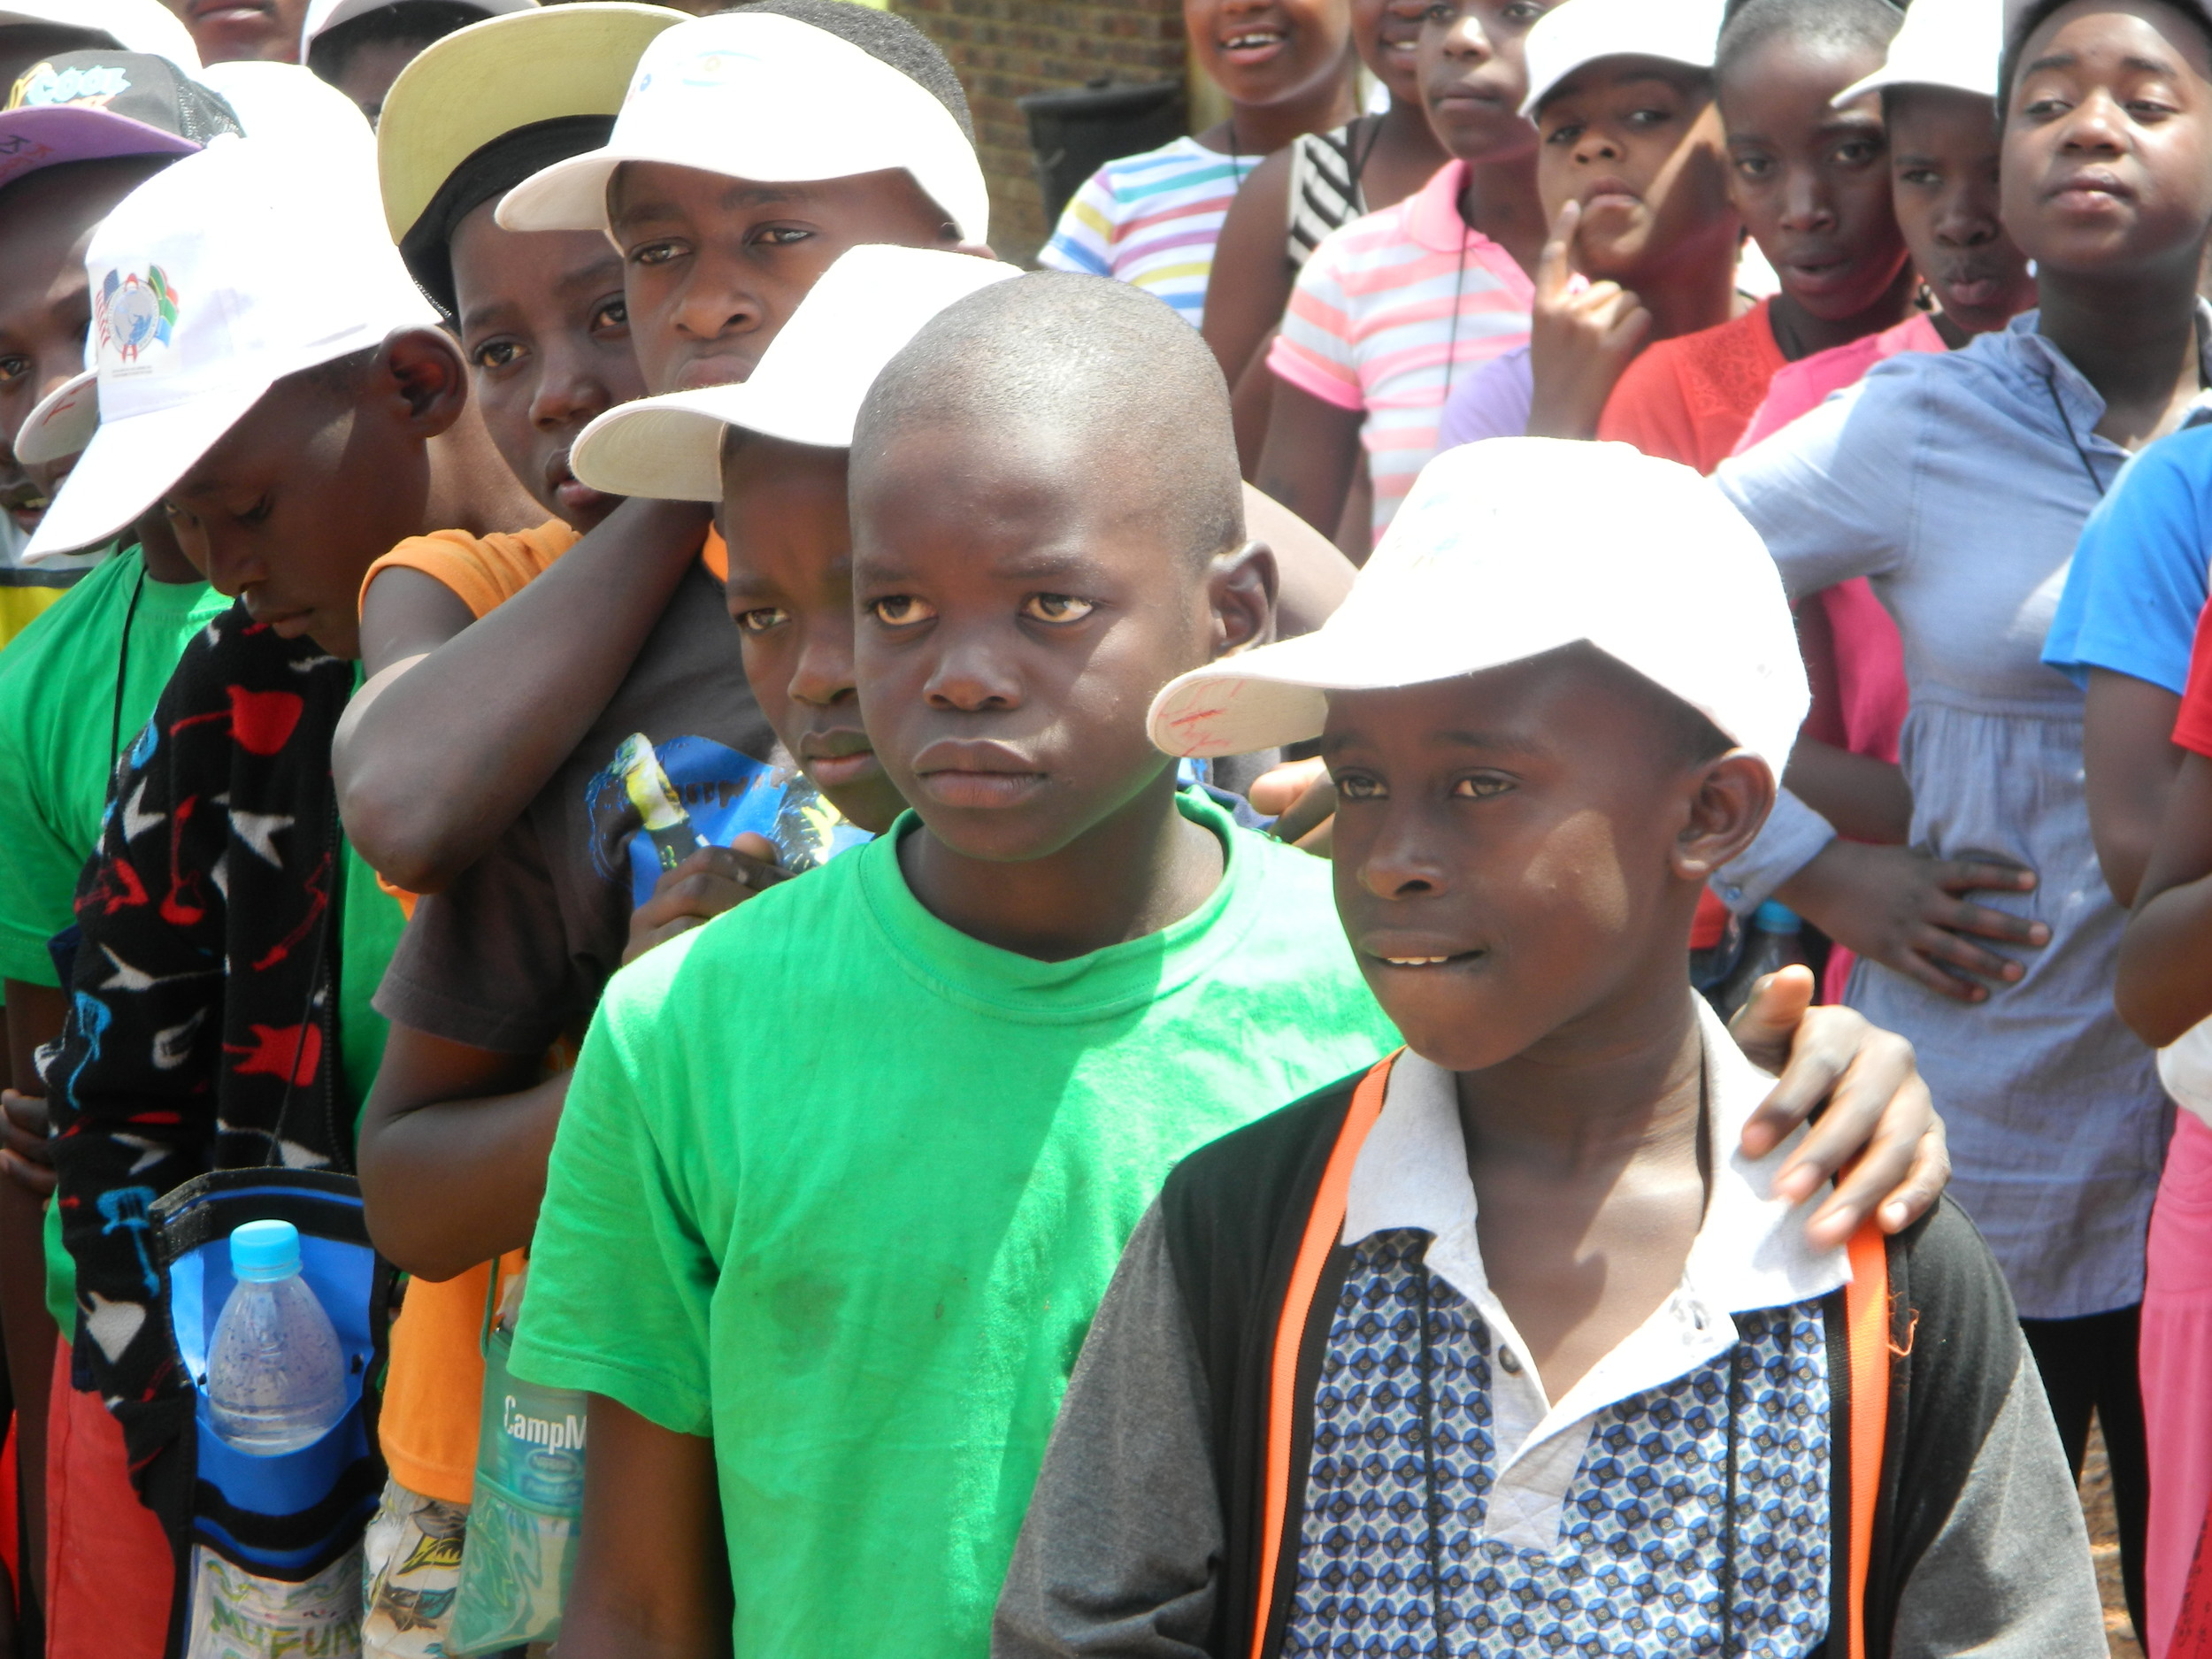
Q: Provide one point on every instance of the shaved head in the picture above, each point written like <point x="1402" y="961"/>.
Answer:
<point x="1099" y="381"/>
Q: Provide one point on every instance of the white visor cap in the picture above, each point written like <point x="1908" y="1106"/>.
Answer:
<point x="1582" y="31"/>
<point x="136" y="25"/>
<point x="770" y="99"/>
<point x="1479" y="569"/>
<point x="212" y="281"/>
<point x="325" y="15"/>
<point x="808" y="386"/>
<point x="1953" y="44"/>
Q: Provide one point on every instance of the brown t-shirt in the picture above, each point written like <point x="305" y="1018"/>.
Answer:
<point x="516" y="952"/>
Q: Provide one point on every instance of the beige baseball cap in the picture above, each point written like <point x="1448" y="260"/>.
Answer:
<point x="482" y="82"/>
<point x="1654" y="567"/>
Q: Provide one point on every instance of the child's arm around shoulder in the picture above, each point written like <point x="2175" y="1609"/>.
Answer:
<point x="1116" y="1555"/>
<point x="1988" y="1555"/>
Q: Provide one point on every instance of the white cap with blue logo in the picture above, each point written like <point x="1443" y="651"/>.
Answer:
<point x="210" y="282"/>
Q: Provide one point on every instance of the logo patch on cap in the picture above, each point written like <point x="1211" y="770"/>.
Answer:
<point x="133" y="313"/>
<point x="86" y="85"/>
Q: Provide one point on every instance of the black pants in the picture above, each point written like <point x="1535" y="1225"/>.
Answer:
<point x="2088" y="1366"/>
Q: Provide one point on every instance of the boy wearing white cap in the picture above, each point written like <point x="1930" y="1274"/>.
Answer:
<point x="268" y="372"/>
<point x="845" y="1324"/>
<point x="1505" y="1346"/>
<point x="80" y="132"/>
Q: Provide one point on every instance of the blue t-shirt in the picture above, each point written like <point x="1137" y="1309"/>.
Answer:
<point x="2139" y="578"/>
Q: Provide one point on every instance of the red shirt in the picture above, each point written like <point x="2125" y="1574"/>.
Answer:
<point x="1689" y="399"/>
<point x="2193" y="727"/>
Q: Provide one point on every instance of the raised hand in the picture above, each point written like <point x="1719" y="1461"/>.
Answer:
<point x="1581" y="336"/>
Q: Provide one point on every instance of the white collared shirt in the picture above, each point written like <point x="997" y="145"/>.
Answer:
<point x="1607" y="1514"/>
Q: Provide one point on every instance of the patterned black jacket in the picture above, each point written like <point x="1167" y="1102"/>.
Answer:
<point x="201" y="1030"/>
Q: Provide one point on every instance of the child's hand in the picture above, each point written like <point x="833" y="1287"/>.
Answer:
<point x="1900" y="906"/>
<point x="1298" y="796"/>
<point x="1878" y="1120"/>
<point x="1581" y="336"/>
<point x="24" y="1151"/>
<point x="712" y="881"/>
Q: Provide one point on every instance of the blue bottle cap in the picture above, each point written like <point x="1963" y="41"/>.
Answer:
<point x="261" y="1252"/>
<point x="1777" y="918"/>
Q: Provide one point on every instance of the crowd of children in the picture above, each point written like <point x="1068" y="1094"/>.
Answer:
<point x="897" y="1013"/>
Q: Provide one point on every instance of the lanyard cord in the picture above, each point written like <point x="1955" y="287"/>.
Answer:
<point x="1434" y="1503"/>
<point x="1451" y="345"/>
<point x="123" y="670"/>
<point x="2058" y="407"/>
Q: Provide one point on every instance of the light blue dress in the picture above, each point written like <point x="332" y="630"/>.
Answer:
<point x="1958" y="482"/>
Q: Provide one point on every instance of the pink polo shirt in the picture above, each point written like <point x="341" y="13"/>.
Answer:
<point x="1390" y="312"/>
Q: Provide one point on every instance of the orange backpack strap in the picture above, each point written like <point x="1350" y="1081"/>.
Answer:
<point x="1866" y="1320"/>
<point x="1323" y="1222"/>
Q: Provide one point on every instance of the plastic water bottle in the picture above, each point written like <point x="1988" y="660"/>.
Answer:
<point x="276" y="1377"/>
<point x="1775" y="940"/>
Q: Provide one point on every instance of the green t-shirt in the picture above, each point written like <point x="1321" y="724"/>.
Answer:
<point x="842" y="1186"/>
<point x="68" y="688"/>
<point x="66" y="691"/>
<point x="61" y="708"/>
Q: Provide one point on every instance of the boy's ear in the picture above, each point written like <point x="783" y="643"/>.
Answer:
<point x="1241" y="588"/>
<point x="427" y="372"/>
<point x="1733" y="796"/>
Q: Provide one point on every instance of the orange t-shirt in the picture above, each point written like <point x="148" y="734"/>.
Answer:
<point x="1689" y="399"/>
<point x="434" y="1382"/>
<point x="484" y="571"/>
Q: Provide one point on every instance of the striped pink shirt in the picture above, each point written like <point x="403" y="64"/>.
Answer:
<point x="1371" y="324"/>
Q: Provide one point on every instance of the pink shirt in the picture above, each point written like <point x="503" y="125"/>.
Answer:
<point x="1391" y="311"/>
<point x="1809" y="382"/>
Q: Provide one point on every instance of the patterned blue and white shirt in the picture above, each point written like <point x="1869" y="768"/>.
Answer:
<point x="1452" y="1509"/>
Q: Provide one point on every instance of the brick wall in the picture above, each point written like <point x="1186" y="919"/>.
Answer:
<point x="1005" y="50"/>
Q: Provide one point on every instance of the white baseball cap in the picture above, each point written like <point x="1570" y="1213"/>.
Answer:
<point x="1955" y="43"/>
<point x="755" y="95"/>
<point x="1479" y="569"/>
<point x="136" y="26"/>
<point x="807" y="387"/>
<point x="325" y="15"/>
<point x="284" y="109"/>
<point x="1583" y="31"/>
<point x="210" y="282"/>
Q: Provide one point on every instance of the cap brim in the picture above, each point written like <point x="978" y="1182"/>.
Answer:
<point x="130" y="464"/>
<point x="1279" y="693"/>
<point x="569" y="194"/>
<point x="486" y="79"/>
<point x="62" y="423"/>
<point x="663" y="448"/>
<point x="1919" y="75"/>
<point x="55" y="134"/>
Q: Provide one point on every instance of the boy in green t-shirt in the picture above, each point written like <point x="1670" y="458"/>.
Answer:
<point x="831" y="1286"/>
